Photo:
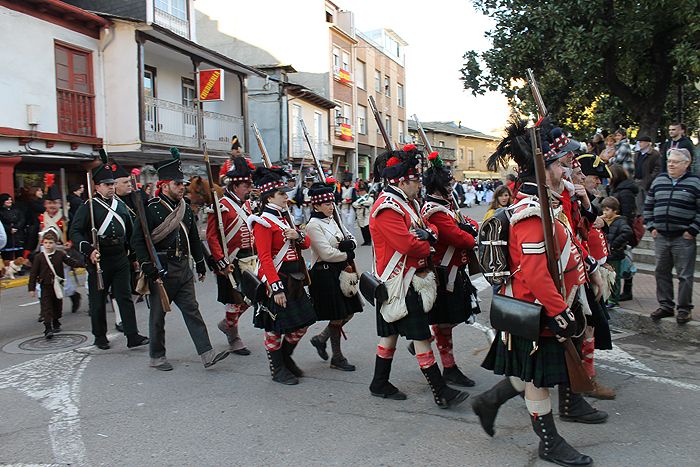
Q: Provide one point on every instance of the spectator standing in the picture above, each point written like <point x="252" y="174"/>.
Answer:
<point x="626" y="192"/>
<point x="362" y="206"/>
<point x="75" y="199"/>
<point x="647" y="165"/>
<point x="14" y="221"/>
<point x="619" y="236"/>
<point x="469" y="194"/>
<point x="672" y="215"/>
<point x="597" y="144"/>
<point x="3" y="239"/>
<point x="501" y="199"/>
<point x="676" y="140"/>
<point x="623" y="152"/>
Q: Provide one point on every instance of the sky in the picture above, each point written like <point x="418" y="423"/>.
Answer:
<point x="438" y="34"/>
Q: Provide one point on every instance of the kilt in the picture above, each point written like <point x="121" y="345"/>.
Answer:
<point x="413" y="326"/>
<point x="329" y="301"/>
<point x="299" y="312"/>
<point x="454" y="307"/>
<point x="545" y="368"/>
<point x="225" y="292"/>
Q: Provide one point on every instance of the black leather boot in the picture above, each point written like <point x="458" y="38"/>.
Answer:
<point x="338" y="361"/>
<point x="135" y="340"/>
<point x="48" y="330"/>
<point x="56" y="326"/>
<point x="574" y="408"/>
<point x="553" y="447"/>
<point x="626" y="294"/>
<point x="445" y="397"/>
<point x="487" y="403"/>
<point x="319" y="342"/>
<point x="454" y="375"/>
<point x="75" y="302"/>
<point x="287" y="351"/>
<point x="380" y="385"/>
<point x="280" y="373"/>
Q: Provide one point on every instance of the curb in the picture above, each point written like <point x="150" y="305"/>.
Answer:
<point x="667" y="327"/>
<point x="24" y="280"/>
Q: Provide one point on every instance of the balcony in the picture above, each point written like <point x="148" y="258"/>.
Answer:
<point x="174" y="124"/>
<point x="343" y="129"/>
<point x="76" y="113"/>
<point x="300" y="149"/>
<point x="177" y="25"/>
<point x="342" y="75"/>
<point x="446" y="154"/>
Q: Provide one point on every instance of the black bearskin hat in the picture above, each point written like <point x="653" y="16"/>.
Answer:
<point x="437" y="177"/>
<point x="271" y="180"/>
<point x="241" y="170"/>
<point x="398" y="165"/>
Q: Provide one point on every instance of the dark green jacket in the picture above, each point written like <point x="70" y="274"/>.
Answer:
<point x="156" y="212"/>
<point x="81" y="228"/>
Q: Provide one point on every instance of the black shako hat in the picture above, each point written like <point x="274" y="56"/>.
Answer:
<point x="241" y="170"/>
<point x="437" y="177"/>
<point x="235" y="144"/>
<point x="119" y="171"/>
<point x="322" y="192"/>
<point x="399" y="165"/>
<point x="593" y="165"/>
<point x="560" y="145"/>
<point x="270" y="180"/>
<point x="171" y="169"/>
<point x="103" y="173"/>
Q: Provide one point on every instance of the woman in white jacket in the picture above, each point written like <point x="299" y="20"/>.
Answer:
<point x="362" y="206"/>
<point x="333" y="286"/>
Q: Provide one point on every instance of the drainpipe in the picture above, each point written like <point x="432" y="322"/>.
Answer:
<point x="109" y="32"/>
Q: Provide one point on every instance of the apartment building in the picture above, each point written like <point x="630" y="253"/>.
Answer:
<point x="380" y="73"/>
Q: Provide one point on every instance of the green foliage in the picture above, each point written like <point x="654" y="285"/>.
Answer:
<point x="599" y="63"/>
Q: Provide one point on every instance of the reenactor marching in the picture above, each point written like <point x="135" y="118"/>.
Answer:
<point x="109" y="216"/>
<point x="173" y="231"/>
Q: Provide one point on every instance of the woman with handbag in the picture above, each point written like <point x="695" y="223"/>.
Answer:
<point x="333" y="285"/>
<point x="286" y="312"/>
<point x="456" y="296"/>
<point x="402" y="247"/>
<point x="535" y="362"/>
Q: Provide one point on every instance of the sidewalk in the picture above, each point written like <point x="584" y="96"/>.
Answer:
<point x="634" y="314"/>
<point x="22" y="281"/>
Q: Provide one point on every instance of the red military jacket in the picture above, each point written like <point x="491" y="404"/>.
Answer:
<point x="391" y="218"/>
<point x="57" y="221"/>
<point x="530" y="278"/>
<point x="453" y="243"/>
<point x="236" y="229"/>
<point x="597" y="245"/>
<point x="269" y="240"/>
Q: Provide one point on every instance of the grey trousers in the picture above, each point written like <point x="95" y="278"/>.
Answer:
<point x="179" y="284"/>
<point x="679" y="253"/>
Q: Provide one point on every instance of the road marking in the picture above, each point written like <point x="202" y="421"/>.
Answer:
<point x="29" y="304"/>
<point x="656" y="379"/>
<point x="620" y="357"/>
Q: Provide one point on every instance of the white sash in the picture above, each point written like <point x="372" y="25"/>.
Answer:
<point x="57" y="281"/>
<point x="49" y="221"/>
<point x="279" y="257"/>
<point x="411" y="212"/>
<point x="111" y="214"/>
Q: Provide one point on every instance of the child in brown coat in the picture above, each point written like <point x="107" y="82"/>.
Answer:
<point x="47" y="270"/>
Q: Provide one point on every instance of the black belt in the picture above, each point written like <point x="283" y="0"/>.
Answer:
<point x="245" y="252"/>
<point x="111" y="241"/>
<point x="173" y="254"/>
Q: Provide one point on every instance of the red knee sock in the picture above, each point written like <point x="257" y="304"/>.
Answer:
<point x="587" y="349"/>
<point x="273" y="341"/>
<point x="233" y="314"/>
<point x="386" y="354"/>
<point x="425" y="360"/>
<point x="443" y="336"/>
<point x="295" y="337"/>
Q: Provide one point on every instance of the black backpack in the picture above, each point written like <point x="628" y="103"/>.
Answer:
<point x="493" y="246"/>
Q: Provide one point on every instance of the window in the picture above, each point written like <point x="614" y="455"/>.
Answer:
<point x="441" y="144"/>
<point x="461" y="154"/>
<point x="347" y="113"/>
<point x="377" y="80"/>
<point x="189" y="95"/>
<point x="362" y="119"/>
<point x="296" y="122"/>
<point x="470" y="154"/>
<point x="387" y="125"/>
<point x="401" y="134"/>
<point x="380" y="119"/>
<point x="149" y="93"/>
<point x="189" y="101"/>
<point x="177" y="8"/>
<point x="387" y="86"/>
<point x="346" y="61"/>
<point x="74" y="91"/>
<point x="329" y="17"/>
<point x="399" y="92"/>
<point x="336" y="58"/>
<point x="360" y="74"/>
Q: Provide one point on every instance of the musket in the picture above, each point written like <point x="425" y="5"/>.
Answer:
<point x="267" y="163"/>
<point x="541" y="109"/>
<point x="137" y="199"/>
<point x="578" y="378"/>
<point x="93" y="231"/>
<point x="217" y="210"/>
<point x="380" y="124"/>
<point x="319" y="170"/>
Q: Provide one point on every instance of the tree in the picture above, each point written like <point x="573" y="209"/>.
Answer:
<point x="602" y="63"/>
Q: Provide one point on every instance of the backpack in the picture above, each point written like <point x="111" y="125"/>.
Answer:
<point x="493" y="247"/>
<point x="637" y="225"/>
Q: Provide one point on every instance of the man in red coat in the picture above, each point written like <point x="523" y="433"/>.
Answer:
<point x="402" y="246"/>
<point x="456" y="296"/>
<point x="239" y="252"/>
<point x="236" y="151"/>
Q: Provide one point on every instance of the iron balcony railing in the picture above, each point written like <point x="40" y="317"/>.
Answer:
<point x="177" y="25"/>
<point x="174" y="124"/>
<point x="300" y="148"/>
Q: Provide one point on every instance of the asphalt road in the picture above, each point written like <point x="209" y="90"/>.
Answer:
<point x="91" y="407"/>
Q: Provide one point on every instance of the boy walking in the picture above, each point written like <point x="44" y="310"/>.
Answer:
<point x="47" y="270"/>
<point x="619" y="235"/>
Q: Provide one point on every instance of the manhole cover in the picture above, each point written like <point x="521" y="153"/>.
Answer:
<point x="39" y="345"/>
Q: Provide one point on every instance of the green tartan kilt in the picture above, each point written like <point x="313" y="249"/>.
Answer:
<point x="545" y="368"/>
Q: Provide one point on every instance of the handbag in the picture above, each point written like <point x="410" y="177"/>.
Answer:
<point x="372" y="288"/>
<point x="517" y="317"/>
<point x="252" y="287"/>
